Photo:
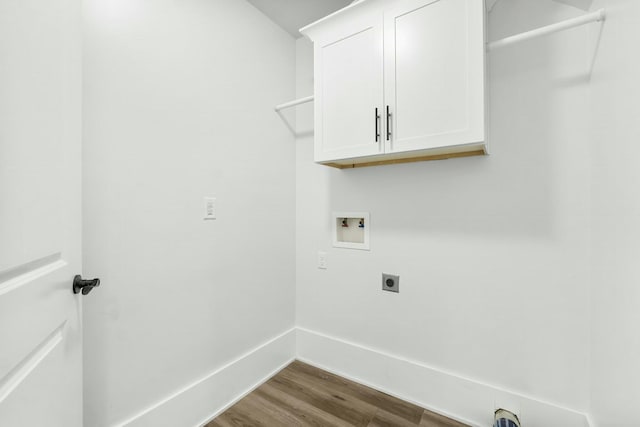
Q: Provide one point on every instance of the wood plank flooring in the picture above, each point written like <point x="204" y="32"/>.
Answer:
<point x="302" y="395"/>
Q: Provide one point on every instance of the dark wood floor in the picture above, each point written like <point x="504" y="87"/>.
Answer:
<point x="302" y="395"/>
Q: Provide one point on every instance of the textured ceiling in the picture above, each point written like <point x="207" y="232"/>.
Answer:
<point x="295" y="14"/>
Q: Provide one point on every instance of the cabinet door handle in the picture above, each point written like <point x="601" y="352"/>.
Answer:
<point x="388" y="124"/>
<point x="377" y="125"/>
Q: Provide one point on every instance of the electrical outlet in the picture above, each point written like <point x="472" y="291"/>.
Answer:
<point x="390" y="283"/>
<point x="322" y="260"/>
<point x="209" y="208"/>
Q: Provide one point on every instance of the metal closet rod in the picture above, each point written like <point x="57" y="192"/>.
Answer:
<point x="294" y="103"/>
<point x="597" y="16"/>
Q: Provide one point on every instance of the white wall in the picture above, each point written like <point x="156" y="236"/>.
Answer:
<point x="496" y="254"/>
<point x="178" y="104"/>
<point x="615" y="145"/>
<point x="492" y="252"/>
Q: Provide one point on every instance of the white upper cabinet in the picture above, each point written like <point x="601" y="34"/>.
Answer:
<point x="348" y="60"/>
<point x="399" y="80"/>
<point x="434" y="73"/>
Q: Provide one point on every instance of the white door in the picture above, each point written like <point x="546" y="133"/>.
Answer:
<point x="349" y="96"/>
<point x="434" y="73"/>
<point x="40" y="213"/>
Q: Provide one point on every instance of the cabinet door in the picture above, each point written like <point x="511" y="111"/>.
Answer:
<point x="349" y="88"/>
<point x="434" y="73"/>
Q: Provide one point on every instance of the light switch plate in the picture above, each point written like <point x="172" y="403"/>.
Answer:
<point x="322" y="260"/>
<point x="209" y="208"/>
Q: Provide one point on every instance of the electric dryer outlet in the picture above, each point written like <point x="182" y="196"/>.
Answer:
<point x="390" y="283"/>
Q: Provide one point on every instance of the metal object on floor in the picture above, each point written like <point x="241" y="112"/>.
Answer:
<point x="504" y="418"/>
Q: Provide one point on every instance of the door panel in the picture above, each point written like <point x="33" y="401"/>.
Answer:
<point x="434" y="73"/>
<point x="40" y="125"/>
<point x="352" y="65"/>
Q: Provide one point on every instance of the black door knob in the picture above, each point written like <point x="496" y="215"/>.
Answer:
<point x="84" y="285"/>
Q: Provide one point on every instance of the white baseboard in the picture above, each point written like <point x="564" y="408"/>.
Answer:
<point x="463" y="399"/>
<point x="466" y="400"/>
<point x="202" y="400"/>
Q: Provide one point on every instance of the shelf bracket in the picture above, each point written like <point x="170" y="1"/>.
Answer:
<point x="278" y="109"/>
<point x="595" y="43"/>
